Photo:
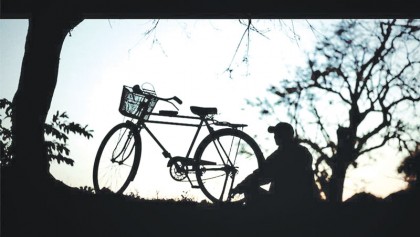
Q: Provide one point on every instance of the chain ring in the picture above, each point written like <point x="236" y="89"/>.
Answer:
<point x="178" y="171"/>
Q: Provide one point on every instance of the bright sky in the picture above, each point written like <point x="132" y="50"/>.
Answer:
<point x="187" y="59"/>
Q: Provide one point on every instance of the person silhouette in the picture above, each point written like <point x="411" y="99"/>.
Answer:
<point x="288" y="169"/>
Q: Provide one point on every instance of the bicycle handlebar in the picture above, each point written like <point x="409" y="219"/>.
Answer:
<point x="138" y="90"/>
<point x="175" y="98"/>
<point x="178" y="100"/>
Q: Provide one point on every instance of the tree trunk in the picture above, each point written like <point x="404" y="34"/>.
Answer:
<point x="336" y="184"/>
<point x="345" y="155"/>
<point x="34" y="94"/>
<point x="27" y="182"/>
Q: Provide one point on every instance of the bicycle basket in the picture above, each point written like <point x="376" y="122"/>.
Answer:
<point x="137" y="105"/>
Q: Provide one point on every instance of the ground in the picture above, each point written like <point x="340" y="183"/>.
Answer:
<point x="75" y="212"/>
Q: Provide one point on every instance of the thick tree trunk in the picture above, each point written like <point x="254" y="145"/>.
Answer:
<point x="33" y="97"/>
<point x="336" y="184"/>
<point x="345" y="155"/>
<point x="27" y="182"/>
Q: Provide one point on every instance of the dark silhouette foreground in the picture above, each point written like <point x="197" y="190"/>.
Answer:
<point x="73" y="212"/>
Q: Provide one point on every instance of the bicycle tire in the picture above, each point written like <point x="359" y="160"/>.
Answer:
<point x="119" y="132"/>
<point x="205" y="152"/>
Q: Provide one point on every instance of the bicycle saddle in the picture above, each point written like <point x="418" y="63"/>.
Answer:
<point x="201" y="111"/>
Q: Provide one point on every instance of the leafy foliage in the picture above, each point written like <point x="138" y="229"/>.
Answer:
<point x="410" y="167"/>
<point x="5" y="133"/>
<point x="56" y="133"/>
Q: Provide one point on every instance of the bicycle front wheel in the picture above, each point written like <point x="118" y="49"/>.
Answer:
<point x="117" y="159"/>
<point x="224" y="159"/>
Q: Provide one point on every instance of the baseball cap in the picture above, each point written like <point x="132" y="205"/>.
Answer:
<point x="282" y="128"/>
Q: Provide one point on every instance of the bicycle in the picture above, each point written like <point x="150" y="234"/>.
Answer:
<point x="216" y="160"/>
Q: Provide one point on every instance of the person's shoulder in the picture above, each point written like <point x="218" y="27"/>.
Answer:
<point x="302" y="149"/>
<point x="275" y="154"/>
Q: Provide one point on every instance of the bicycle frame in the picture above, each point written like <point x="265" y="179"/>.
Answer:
<point x="166" y="154"/>
<point x="203" y="121"/>
<point x="214" y="159"/>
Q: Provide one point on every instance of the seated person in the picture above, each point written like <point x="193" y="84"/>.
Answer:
<point x="289" y="169"/>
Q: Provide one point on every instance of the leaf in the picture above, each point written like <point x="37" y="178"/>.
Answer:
<point x="62" y="148"/>
<point x="76" y="129"/>
<point x="64" y="115"/>
<point x="6" y="134"/>
<point x="7" y="105"/>
<point x="55" y="117"/>
<point x="50" y="146"/>
<point x="51" y="130"/>
<point x="4" y="103"/>
<point x="60" y="158"/>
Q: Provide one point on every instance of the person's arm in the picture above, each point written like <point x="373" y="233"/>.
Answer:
<point x="264" y="174"/>
<point x="259" y="176"/>
<point x="268" y="168"/>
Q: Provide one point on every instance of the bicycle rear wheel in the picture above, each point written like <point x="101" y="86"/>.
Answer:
<point x="224" y="159"/>
<point x="117" y="159"/>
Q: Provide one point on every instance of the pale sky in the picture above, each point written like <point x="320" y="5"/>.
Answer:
<point x="187" y="59"/>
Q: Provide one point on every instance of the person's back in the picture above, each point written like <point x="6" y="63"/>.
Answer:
<point x="290" y="172"/>
<point x="289" y="169"/>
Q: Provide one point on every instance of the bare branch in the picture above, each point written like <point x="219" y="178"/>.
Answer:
<point x="405" y="98"/>
<point x="319" y="86"/>
<point x="321" y="125"/>
<point x="247" y="32"/>
<point x="385" y="139"/>
<point x="153" y="28"/>
<point x="147" y="34"/>
<point x="315" y="146"/>
<point x="317" y="74"/>
<point x="386" y="121"/>
<point x="376" y="56"/>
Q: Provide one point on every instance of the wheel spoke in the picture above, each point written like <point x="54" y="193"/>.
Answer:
<point x="217" y="182"/>
<point x="218" y="151"/>
<point x="123" y="146"/>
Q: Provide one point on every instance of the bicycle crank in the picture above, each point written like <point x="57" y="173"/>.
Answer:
<point x="177" y="168"/>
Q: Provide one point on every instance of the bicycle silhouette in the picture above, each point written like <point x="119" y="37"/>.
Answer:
<point x="222" y="159"/>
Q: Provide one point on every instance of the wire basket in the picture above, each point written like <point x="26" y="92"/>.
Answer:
<point x="137" y="105"/>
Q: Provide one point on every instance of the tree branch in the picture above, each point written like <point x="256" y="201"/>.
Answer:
<point x="321" y="125"/>
<point x="374" y="59"/>
<point x="385" y="122"/>
<point x="385" y="139"/>
<point x="249" y="27"/>
<point x="315" y="146"/>
<point x="328" y="89"/>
